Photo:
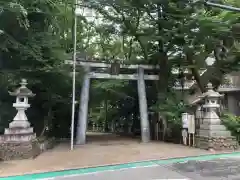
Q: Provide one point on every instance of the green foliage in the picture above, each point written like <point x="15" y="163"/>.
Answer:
<point x="171" y="108"/>
<point x="36" y="35"/>
<point x="232" y="123"/>
<point x="30" y="49"/>
<point x="110" y="101"/>
<point x="173" y="34"/>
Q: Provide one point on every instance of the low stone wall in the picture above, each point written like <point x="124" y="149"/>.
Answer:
<point x="46" y="144"/>
<point x="24" y="150"/>
<point x="217" y="143"/>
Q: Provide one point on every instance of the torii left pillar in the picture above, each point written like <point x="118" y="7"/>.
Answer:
<point x="83" y="109"/>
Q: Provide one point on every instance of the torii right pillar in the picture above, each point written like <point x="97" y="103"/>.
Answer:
<point x="145" y="130"/>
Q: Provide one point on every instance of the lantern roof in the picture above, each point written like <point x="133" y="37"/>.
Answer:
<point x="210" y="92"/>
<point x="22" y="90"/>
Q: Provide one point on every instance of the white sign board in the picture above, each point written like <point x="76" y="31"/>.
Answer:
<point x="185" y="120"/>
<point x="191" y="124"/>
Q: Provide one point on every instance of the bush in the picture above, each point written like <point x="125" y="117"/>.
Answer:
<point x="232" y="123"/>
<point x="171" y="109"/>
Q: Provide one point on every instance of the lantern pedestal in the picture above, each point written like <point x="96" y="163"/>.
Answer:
<point x="19" y="140"/>
<point x="20" y="120"/>
<point x="212" y="134"/>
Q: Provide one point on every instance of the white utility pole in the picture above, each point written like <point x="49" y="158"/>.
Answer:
<point x="74" y="57"/>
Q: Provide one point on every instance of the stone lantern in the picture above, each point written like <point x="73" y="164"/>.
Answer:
<point x="213" y="135"/>
<point x="22" y="94"/>
<point x="19" y="140"/>
<point x="211" y="99"/>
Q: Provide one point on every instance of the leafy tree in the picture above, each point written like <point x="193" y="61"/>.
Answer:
<point x="174" y="34"/>
<point x="30" y="49"/>
<point x="36" y="38"/>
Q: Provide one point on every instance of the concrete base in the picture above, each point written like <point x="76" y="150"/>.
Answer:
<point x="19" y="150"/>
<point x="216" y="143"/>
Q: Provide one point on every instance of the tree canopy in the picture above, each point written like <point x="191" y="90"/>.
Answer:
<point x="36" y="38"/>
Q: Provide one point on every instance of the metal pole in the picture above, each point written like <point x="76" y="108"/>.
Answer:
<point x="74" y="72"/>
<point x="230" y="8"/>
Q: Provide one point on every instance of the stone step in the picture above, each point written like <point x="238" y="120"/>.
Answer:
<point x="18" y="130"/>
<point x="214" y="127"/>
<point x="17" y="137"/>
<point x="214" y="133"/>
<point x="206" y="121"/>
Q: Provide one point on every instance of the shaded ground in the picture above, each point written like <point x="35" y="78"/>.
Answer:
<point x="220" y="169"/>
<point x="100" y="150"/>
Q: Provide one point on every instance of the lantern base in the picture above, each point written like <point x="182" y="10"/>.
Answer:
<point x="18" y="143"/>
<point x="19" y="150"/>
<point x="217" y="143"/>
<point x="215" y="137"/>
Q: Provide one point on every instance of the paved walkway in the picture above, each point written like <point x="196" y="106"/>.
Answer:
<point x="215" y="169"/>
<point x="100" y="151"/>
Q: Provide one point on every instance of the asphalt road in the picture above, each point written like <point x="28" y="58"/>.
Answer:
<point x="221" y="169"/>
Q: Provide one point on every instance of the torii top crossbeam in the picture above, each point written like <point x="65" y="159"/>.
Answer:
<point x="95" y="64"/>
<point x="108" y="65"/>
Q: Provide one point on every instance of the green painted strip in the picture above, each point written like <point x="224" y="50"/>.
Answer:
<point x="118" y="167"/>
<point x="78" y="171"/>
<point x="197" y="158"/>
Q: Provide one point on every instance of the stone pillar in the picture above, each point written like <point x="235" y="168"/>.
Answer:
<point x="145" y="131"/>
<point x="212" y="134"/>
<point x="232" y="103"/>
<point x="83" y="109"/>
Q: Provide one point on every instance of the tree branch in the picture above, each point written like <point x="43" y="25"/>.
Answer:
<point x="197" y="77"/>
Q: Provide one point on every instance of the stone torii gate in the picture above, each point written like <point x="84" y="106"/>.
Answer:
<point x="100" y="70"/>
<point x="92" y="71"/>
